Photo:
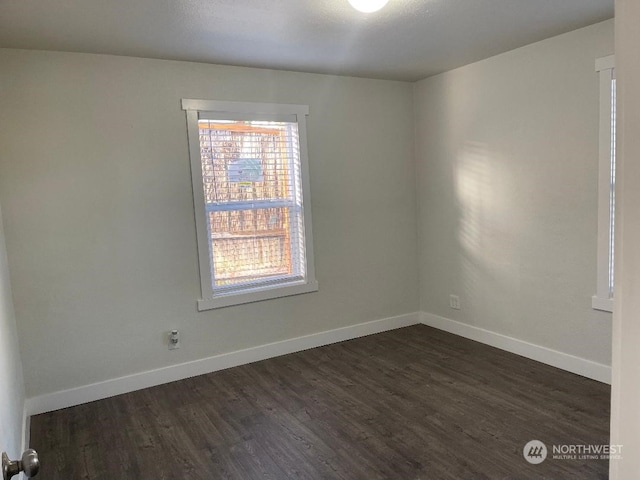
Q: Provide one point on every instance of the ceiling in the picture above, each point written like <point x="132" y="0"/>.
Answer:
<point x="407" y="40"/>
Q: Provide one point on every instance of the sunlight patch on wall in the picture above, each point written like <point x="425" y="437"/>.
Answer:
<point x="490" y="262"/>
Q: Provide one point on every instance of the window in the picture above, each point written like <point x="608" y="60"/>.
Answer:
<point x="251" y="196"/>
<point x="603" y="299"/>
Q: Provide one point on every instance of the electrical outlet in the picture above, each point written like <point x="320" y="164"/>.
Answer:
<point x="454" y="302"/>
<point x="174" y="340"/>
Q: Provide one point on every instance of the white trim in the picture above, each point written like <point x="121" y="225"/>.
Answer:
<point x="211" y="297"/>
<point x="257" y="295"/>
<point x="604" y="304"/>
<point x="564" y="361"/>
<point x="26" y="434"/>
<point x="26" y="428"/>
<point x="602" y="299"/>
<point x="199" y="202"/>
<point x="306" y="199"/>
<point x="244" y="107"/>
<point x="605" y="63"/>
<point x="138" y="381"/>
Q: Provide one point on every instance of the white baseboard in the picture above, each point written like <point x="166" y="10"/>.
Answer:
<point x="138" y="381"/>
<point x="564" y="361"/>
<point x="151" y="378"/>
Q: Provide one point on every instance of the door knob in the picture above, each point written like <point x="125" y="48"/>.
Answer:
<point x="29" y="464"/>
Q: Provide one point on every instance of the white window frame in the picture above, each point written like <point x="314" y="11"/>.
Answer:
<point x="224" y="297"/>
<point x="603" y="299"/>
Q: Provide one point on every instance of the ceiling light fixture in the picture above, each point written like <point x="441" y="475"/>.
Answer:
<point x="368" y="6"/>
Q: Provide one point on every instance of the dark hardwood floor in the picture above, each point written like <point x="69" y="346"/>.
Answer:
<point x="413" y="403"/>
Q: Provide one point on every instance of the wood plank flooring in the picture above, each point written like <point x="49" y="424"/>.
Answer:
<point x="413" y="403"/>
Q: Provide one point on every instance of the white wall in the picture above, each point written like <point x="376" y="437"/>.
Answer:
<point x="12" y="386"/>
<point x="507" y="181"/>
<point x="95" y="186"/>
<point x="625" y="398"/>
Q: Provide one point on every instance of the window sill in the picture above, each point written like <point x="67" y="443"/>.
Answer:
<point x="257" y="295"/>
<point x="604" y="304"/>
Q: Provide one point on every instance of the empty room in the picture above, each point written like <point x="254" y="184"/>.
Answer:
<point x="341" y="239"/>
